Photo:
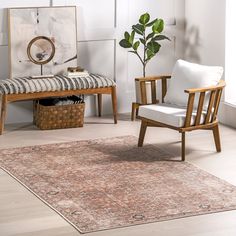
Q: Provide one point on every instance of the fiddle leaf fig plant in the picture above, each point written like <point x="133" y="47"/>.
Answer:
<point x="150" y="33"/>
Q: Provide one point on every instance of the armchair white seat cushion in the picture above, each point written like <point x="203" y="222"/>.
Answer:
<point x="187" y="75"/>
<point x="168" y="114"/>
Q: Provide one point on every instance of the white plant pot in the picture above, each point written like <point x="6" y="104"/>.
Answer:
<point x="138" y="92"/>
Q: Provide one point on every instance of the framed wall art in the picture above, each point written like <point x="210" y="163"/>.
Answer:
<point x="57" y="24"/>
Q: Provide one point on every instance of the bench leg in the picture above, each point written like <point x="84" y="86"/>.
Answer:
<point x="34" y="111"/>
<point x="114" y="103"/>
<point x="99" y="104"/>
<point x="3" y="112"/>
<point x="183" y="147"/>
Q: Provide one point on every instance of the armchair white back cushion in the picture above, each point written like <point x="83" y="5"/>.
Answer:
<point x="188" y="75"/>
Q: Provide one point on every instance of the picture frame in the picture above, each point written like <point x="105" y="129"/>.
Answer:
<point x="58" y="23"/>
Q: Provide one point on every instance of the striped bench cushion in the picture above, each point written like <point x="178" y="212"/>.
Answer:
<point x="57" y="83"/>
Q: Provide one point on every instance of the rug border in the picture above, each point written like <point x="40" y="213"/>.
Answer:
<point x="73" y="141"/>
<point x="117" y="227"/>
<point x="44" y="201"/>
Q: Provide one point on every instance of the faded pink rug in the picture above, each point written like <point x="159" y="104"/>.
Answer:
<point x="109" y="183"/>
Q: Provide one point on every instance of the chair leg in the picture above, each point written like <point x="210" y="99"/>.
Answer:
<point x="216" y="135"/>
<point x="142" y="133"/>
<point x="137" y="110"/>
<point x="114" y="103"/>
<point x="183" y="147"/>
<point x="3" y="113"/>
<point x="133" y="111"/>
<point x="99" y="104"/>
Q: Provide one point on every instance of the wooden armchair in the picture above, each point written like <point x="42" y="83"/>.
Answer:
<point x="183" y="119"/>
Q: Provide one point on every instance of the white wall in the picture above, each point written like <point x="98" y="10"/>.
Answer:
<point x="205" y="31"/>
<point x="205" y="41"/>
<point x="101" y="24"/>
<point x="229" y="107"/>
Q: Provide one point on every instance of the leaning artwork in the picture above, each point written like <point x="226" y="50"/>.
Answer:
<point x="55" y="23"/>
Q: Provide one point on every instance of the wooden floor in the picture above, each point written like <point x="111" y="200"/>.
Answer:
<point x="22" y="214"/>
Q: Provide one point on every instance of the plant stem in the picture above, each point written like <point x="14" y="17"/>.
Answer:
<point x="140" y="58"/>
<point x="144" y="56"/>
<point x="144" y="70"/>
<point x="143" y="63"/>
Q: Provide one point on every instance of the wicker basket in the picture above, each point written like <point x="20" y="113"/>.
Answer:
<point x="59" y="117"/>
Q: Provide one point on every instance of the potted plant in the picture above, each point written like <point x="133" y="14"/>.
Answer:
<point x="148" y="43"/>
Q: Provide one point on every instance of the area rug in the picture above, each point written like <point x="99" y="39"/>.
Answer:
<point x="109" y="183"/>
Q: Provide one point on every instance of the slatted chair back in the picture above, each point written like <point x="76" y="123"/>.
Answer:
<point x="212" y="107"/>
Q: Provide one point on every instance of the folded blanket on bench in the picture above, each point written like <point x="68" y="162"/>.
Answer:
<point x="57" y="83"/>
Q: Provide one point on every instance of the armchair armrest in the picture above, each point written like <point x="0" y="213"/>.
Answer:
<point x="153" y="80"/>
<point x="212" y="107"/>
<point x="221" y="84"/>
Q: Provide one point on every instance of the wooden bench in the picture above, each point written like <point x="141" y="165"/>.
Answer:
<point x="12" y="91"/>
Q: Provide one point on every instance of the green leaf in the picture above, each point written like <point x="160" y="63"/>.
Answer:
<point x="150" y="55"/>
<point x="139" y="29"/>
<point x="150" y="36"/>
<point x="142" y="41"/>
<point x="158" y="27"/>
<point x="125" y="44"/>
<point x="151" y="23"/>
<point x="160" y="37"/>
<point x="136" y="45"/>
<point x="153" y="46"/>
<point x="144" y="19"/>
<point x="127" y="36"/>
<point x="131" y="38"/>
